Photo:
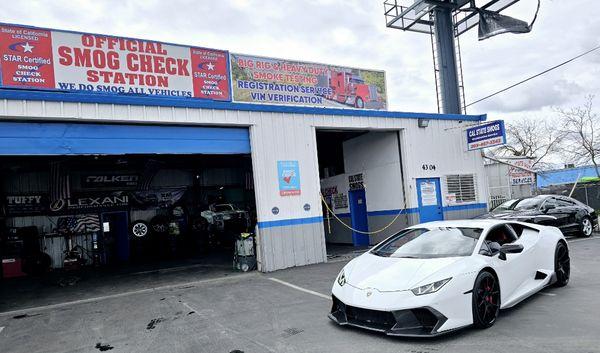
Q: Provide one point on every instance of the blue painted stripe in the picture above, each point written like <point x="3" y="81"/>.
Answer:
<point x="59" y="96"/>
<point x="474" y="206"/>
<point x="290" y="222"/>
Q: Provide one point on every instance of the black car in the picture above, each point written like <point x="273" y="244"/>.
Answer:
<point x="569" y="215"/>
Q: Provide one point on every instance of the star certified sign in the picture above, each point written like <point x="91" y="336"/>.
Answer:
<point x="210" y="66"/>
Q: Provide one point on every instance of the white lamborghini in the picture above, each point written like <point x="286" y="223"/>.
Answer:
<point x="436" y="277"/>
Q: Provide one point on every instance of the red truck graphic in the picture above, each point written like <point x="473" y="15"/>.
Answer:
<point x="350" y="88"/>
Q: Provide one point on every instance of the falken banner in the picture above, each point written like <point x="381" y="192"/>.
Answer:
<point x="68" y="61"/>
<point x="278" y="81"/>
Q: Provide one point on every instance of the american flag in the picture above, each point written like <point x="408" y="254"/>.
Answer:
<point x="84" y="223"/>
<point x="59" y="182"/>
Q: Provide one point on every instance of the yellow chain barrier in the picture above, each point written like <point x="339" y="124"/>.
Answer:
<point x="356" y="230"/>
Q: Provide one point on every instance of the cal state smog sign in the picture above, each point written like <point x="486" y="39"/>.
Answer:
<point x="40" y="58"/>
<point x="486" y="135"/>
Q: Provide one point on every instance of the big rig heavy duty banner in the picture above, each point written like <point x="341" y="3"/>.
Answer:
<point x="278" y="81"/>
<point x="68" y="61"/>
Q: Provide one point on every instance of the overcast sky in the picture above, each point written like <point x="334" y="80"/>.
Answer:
<point x="353" y="33"/>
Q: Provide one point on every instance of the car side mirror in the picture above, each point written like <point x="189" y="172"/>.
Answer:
<point x="548" y="207"/>
<point x="509" y="249"/>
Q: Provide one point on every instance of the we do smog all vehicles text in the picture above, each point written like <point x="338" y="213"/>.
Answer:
<point x="37" y="58"/>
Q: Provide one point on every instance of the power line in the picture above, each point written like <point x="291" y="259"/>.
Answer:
<point x="534" y="76"/>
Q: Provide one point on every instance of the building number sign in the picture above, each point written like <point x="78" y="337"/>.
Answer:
<point x="428" y="167"/>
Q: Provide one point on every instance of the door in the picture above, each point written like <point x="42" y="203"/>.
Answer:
<point x="430" y="200"/>
<point x="115" y="226"/>
<point x="559" y="213"/>
<point x="358" y="216"/>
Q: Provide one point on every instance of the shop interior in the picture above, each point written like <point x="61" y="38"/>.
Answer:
<point x="70" y="213"/>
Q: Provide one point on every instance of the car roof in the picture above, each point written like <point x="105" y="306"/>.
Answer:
<point x="463" y="223"/>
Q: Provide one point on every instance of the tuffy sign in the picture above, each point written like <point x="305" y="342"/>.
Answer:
<point x="67" y="61"/>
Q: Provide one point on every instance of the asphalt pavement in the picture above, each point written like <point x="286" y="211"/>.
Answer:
<point x="284" y="311"/>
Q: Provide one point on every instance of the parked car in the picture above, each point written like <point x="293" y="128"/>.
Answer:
<point x="568" y="214"/>
<point x="433" y="278"/>
<point x="219" y="215"/>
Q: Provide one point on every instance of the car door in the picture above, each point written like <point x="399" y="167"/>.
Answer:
<point x="514" y="271"/>
<point x="559" y="213"/>
<point x="572" y="210"/>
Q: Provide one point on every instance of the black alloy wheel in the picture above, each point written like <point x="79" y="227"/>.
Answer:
<point x="486" y="300"/>
<point x="562" y="265"/>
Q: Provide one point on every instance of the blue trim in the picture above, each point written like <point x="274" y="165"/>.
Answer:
<point x="52" y="138"/>
<point x="393" y="212"/>
<point x="38" y="95"/>
<point x="472" y="206"/>
<point x="290" y="222"/>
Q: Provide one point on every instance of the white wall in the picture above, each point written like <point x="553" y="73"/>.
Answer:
<point x="286" y="136"/>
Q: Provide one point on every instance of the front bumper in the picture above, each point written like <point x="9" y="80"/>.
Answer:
<point x="416" y="322"/>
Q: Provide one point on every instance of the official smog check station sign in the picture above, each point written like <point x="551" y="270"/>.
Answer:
<point x="82" y="62"/>
<point x="486" y="135"/>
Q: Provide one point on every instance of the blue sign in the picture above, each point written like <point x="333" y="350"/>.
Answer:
<point x="486" y="135"/>
<point x="289" y="178"/>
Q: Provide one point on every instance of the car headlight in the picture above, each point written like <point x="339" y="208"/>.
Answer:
<point x="431" y="287"/>
<point x="341" y="280"/>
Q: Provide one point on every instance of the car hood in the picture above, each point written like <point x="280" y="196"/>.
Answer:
<point x="387" y="274"/>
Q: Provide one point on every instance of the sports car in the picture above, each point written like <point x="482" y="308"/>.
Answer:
<point x="437" y="277"/>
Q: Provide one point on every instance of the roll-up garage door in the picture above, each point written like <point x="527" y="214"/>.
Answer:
<point x="50" y="138"/>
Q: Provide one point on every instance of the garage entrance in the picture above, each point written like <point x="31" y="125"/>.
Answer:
<point x="80" y="196"/>
<point x="361" y="183"/>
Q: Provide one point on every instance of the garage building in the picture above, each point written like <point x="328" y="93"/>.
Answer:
<point x="271" y="161"/>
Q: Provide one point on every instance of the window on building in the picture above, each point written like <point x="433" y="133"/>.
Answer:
<point x="461" y="188"/>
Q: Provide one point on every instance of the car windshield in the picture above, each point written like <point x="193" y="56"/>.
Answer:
<point x="223" y="208"/>
<point x="425" y="243"/>
<point x="530" y="203"/>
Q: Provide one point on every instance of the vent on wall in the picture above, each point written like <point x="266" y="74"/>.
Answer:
<point x="461" y="188"/>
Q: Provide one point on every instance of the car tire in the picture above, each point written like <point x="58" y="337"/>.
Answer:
<point x="486" y="300"/>
<point x="586" y="227"/>
<point x="562" y="265"/>
<point x="139" y="229"/>
<point x="359" y="103"/>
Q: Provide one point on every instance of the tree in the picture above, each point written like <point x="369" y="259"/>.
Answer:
<point x="530" y="137"/>
<point x="581" y="128"/>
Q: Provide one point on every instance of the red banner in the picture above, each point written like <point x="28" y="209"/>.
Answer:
<point x="67" y="61"/>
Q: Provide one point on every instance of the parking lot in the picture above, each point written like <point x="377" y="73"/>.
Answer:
<point x="284" y="311"/>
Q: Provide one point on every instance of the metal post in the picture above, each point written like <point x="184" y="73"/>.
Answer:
<point x="444" y="36"/>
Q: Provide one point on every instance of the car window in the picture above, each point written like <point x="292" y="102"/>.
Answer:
<point x="505" y="206"/>
<point x="532" y="203"/>
<point x="501" y="235"/>
<point x="551" y="201"/>
<point x="425" y="243"/>
<point x="564" y="203"/>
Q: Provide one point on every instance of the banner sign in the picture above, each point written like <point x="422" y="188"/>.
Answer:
<point x="520" y="176"/>
<point x="67" y="61"/>
<point x="109" y="180"/>
<point x="289" y="178"/>
<point x="86" y="203"/>
<point x="19" y="205"/>
<point x="162" y="198"/>
<point x="486" y="135"/>
<point x="277" y="81"/>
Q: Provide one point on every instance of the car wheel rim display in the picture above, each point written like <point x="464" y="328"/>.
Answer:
<point x="587" y="227"/>
<point x="140" y="229"/>
<point x="563" y="264"/>
<point x="488" y="300"/>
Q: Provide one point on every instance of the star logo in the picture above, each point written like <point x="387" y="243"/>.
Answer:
<point x="27" y="47"/>
<point x="210" y="66"/>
